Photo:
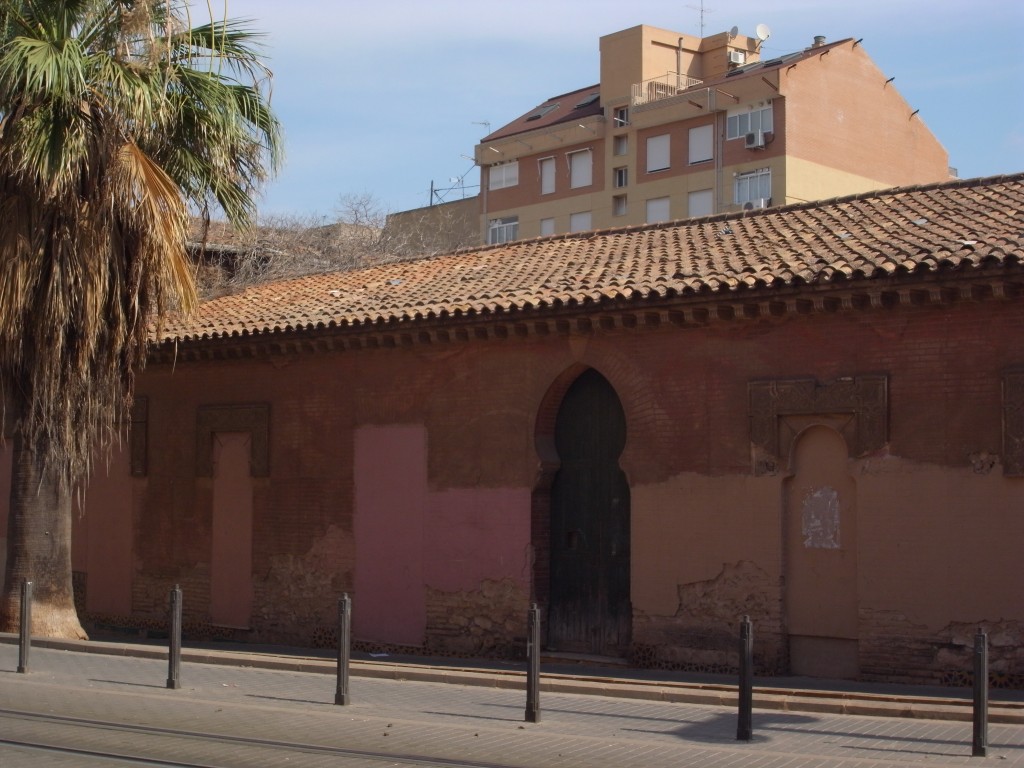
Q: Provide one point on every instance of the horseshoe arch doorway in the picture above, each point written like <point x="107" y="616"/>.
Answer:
<point x="589" y="608"/>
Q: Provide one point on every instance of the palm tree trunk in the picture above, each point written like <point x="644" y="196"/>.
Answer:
<point x="39" y="549"/>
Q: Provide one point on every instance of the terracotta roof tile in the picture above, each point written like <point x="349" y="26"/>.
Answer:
<point x="959" y="224"/>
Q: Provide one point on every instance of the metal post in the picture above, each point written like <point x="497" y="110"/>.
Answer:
<point x="344" y="648"/>
<point x="174" y="656"/>
<point x="745" y="727"/>
<point x="979" y="747"/>
<point x="25" y="630"/>
<point x="533" y="665"/>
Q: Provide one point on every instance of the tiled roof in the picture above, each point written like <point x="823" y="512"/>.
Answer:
<point x="574" y="105"/>
<point x="959" y="225"/>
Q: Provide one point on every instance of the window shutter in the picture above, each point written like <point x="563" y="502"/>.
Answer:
<point x="702" y="143"/>
<point x="658" y="153"/>
<point x="580" y="169"/>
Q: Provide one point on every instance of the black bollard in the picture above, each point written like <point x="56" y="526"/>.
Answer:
<point x="174" y="656"/>
<point x="533" y="665"/>
<point x="979" y="747"/>
<point x="344" y="648"/>
<point x="745" y="726"/>
<point x="25" y="630"/>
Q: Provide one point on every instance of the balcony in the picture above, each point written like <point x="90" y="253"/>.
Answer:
<point x="663" y="87"/>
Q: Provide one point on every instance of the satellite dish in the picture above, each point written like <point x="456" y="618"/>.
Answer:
<point x="733" y="32"/>
<point x="762" y="32"/>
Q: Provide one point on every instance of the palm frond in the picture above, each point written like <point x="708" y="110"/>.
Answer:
<point x="114" y="119"/>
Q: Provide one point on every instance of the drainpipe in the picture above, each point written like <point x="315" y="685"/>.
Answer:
<point x="483" y="204"/>
<point x="719" y="147"/>
<point x="679" y="63"/>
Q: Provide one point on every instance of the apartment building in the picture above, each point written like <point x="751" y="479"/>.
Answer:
<point x="681" y="127"/>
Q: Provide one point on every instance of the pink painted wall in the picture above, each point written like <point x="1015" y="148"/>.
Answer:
<point x="477" y="534"/>
<point x="101" y="535"/>
<point x="231" y="590"/>
<point x="390" y="503"/>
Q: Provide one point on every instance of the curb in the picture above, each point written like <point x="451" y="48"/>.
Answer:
<point x="765" y="698"/>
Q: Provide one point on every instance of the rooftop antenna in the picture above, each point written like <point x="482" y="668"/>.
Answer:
<point x="763" y="33"/>
<point x="733" y="32"/>
<point x="703" y="11"/>
<point x="485" y="123"/>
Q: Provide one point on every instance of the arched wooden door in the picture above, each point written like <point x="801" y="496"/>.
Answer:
<point x="590" y="610"/>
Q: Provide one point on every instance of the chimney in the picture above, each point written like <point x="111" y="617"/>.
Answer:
<point x="819" y="40"/>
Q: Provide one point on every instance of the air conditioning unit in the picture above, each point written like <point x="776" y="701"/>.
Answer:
<point x="737" y="57"/>
<point x="754" y="140"/>
<point x="760" y="202"/>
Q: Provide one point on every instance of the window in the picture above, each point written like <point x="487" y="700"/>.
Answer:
<point x="620" y="145"/>
<point x="542" y="111"/>
<point x="502" y="230"/>
<point x="579" y="222"/>
<point x="700" y="202"/>
<point x="657" y="210"/>
<point x="580" y="169"/>
<point x="588" y="100"/>
<point x="547" y="175"/>
<point x="619" y="205"/>
<point x="621" y="177"/>
<point x="740" y="122"/>
<point x="503" y="175"/>
<point x="657" y="153"/>
<point x="620" y="118"/>
<point x="753" y="186"/>
<point x="547" y="226"/>
<point x="702" y="144"/>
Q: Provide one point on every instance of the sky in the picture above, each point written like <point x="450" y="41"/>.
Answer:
<point x="381" y="98"/>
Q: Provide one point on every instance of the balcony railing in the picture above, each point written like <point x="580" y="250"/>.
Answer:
<point x="663" y="87"/>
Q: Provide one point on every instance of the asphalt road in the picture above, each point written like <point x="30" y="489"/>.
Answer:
<point x="80" y="709"/>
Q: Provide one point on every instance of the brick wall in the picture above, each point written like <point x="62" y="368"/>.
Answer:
<point x="938" y="539"/>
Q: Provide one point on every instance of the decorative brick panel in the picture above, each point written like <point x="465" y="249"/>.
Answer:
<point x="1013" y="424"/>
<point x="254" y="419"/>
<point x="857" y="407"/>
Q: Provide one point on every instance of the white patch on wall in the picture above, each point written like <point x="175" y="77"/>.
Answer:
<point x="821" y="518"/>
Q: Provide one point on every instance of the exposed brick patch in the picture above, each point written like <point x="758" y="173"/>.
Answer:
<point x="298" y="594"/>
<point x="703" y="634"/>
<point x="151" y="593"/>
<point x="483" y="622"/>
<point x="895" y="649"/>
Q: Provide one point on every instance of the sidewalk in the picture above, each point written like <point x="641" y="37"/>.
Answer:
<point x="786" y="694"/>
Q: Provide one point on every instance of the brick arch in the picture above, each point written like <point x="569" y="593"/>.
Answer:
<point x="612" y="603"/>
<point x="540" y="502"/>
<point x="547" y="414"/>
<point x="653" y="434"/>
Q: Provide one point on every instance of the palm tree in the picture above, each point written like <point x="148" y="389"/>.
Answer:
<point x="118" y="121"/>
